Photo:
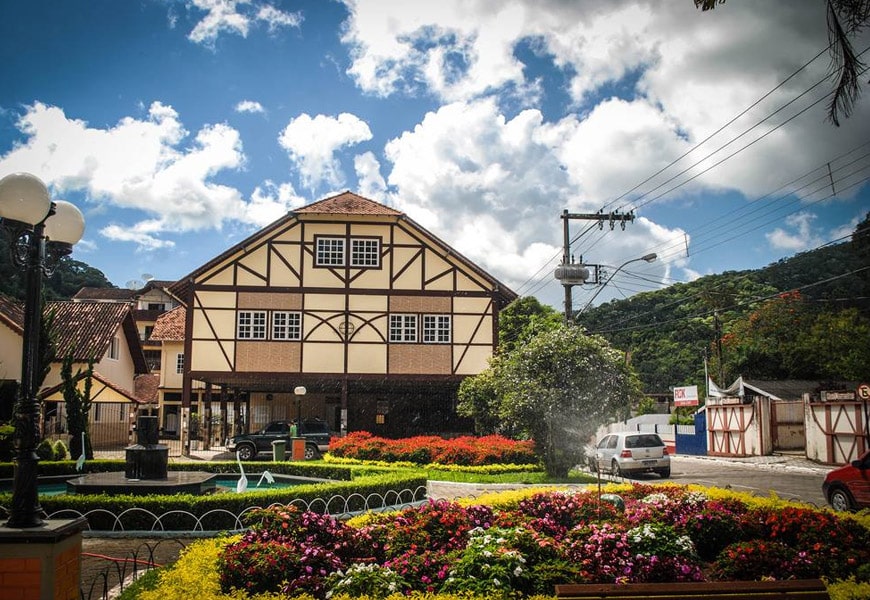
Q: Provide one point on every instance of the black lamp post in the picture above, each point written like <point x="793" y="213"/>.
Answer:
<point x="41" y="233"/>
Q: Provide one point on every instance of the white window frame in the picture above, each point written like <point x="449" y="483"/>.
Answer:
<point x="114" y="348"/>
<point x="286" y="325"/>
<point x="436" y="329"/>
<point x="251" y="325"/>
<point x="330" y="252"/>
<point x="403" y="328"/>
<point x="365" y="252"/>
<point x="179" y="362"/>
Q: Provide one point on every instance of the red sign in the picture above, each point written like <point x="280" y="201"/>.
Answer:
<point x="686" y="396"/>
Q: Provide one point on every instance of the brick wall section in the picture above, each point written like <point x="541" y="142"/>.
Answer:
<point x="42" y="563"/>
<point x="20" y="578"/>
<point x="67" y="573"/>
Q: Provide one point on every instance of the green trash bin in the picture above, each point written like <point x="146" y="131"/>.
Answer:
<point x="279" y="449"/>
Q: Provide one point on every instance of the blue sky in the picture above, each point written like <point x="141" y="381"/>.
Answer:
<point x="180" y="127"/>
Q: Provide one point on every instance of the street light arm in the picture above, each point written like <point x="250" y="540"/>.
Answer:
<point x="647" y="258"/>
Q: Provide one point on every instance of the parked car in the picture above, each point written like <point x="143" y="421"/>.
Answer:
<point x="315" y="432"/>
<point x="630" y="452"/>
<point x="848" y="488"/>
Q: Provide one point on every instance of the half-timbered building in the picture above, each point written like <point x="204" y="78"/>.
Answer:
<point x="374" y="316"/>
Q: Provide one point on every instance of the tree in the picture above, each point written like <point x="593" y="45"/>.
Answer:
<point x="557" y="389"/>
<point x="69" y="276"/>
<point x="846" y="18"/>
<point x="478" y="398"/>
<point x="78" y="406"/>
<point x="523" y="319"/>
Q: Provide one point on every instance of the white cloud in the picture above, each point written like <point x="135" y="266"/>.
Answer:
<point x="368" y="174"/>
<point x="143" y="165"/>
<point x="236" y="17"/>
<point x="494" y="188"/>
<point x="271" y="202"/>
<point x="275" y="19"/>
<point x="249" y="106"/>
<point x="682" y="71"/>
<point x="801" y="238"/>
<point x="312" y="142"/>
<point x="138" y="234"/>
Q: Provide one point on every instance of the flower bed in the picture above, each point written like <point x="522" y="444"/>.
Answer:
<point x="422" y="450"/>
<point x="521" y="549"/>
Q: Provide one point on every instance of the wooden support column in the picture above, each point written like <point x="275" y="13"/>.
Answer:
<point x="207" y="417"/>
<point x="224" y="429"/>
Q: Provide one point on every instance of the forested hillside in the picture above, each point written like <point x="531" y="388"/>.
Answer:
<point x="69" y="277"/>
<point x="807" y="317"/>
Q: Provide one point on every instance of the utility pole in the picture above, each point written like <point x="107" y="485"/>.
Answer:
<point x="571" y="273"/>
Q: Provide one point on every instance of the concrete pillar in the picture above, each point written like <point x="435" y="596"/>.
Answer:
<point x="42" y="563"/>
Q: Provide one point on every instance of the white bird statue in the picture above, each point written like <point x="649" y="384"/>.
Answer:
<point x="80" y="463"/>
<point x="267" y="476"/>
<point x="242" y="484"/>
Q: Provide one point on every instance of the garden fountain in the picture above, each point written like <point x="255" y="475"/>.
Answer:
<point x="146" y="470"/>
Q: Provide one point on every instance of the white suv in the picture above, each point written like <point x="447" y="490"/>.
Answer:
<point x="632" y="452"/>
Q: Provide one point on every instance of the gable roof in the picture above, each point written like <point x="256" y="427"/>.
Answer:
<point x="86" y="329"/>
<point x="146" y="387"/>
<point x="169" y="326"/>
<point x="349" y="204"/>
<point x="105" y="294"/>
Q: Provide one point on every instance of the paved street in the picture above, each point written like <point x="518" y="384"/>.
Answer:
<point x="789" y="477"/>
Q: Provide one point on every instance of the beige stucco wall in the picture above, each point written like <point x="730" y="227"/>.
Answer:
<point x="119" y="371"/>
<point x="411" y="265"/>
<point x="10" y="354"/>
<point x="168" y="376"/>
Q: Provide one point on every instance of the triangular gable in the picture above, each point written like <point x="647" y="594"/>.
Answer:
<point x="102" y="390"/>
<point x="225" y="269"/>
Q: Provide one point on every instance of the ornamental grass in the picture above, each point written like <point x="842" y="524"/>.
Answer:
<point x="524" y="543"/>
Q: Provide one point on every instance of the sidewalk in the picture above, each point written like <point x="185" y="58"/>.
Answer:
<point x="790" y="461"/>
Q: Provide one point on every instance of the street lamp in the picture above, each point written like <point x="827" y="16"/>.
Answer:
<point x="647" y="257"/>
<point x="41" y="231"/>
<point x="299" y="391"/>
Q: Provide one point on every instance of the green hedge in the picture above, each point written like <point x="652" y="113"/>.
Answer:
<point x="218" y="512"/>
<point x="298" y="469"/>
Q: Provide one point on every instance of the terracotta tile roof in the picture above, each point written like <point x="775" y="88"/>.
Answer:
<point x="156" y="284"/>
<point x="169" y="326"/>
<point x="12" y="314"/>
<point x="86" y="329"/>
<point x="347" y="203"/>
<point x="146" y="386"/>
<point x="113" y="294"/>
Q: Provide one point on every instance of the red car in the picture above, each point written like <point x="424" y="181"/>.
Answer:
<point x="848" y="488"/>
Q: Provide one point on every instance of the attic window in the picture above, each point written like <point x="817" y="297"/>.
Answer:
<point x="114" y="348"/>
<point x="364" y="252"/>
<point x="330" y="252"/>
